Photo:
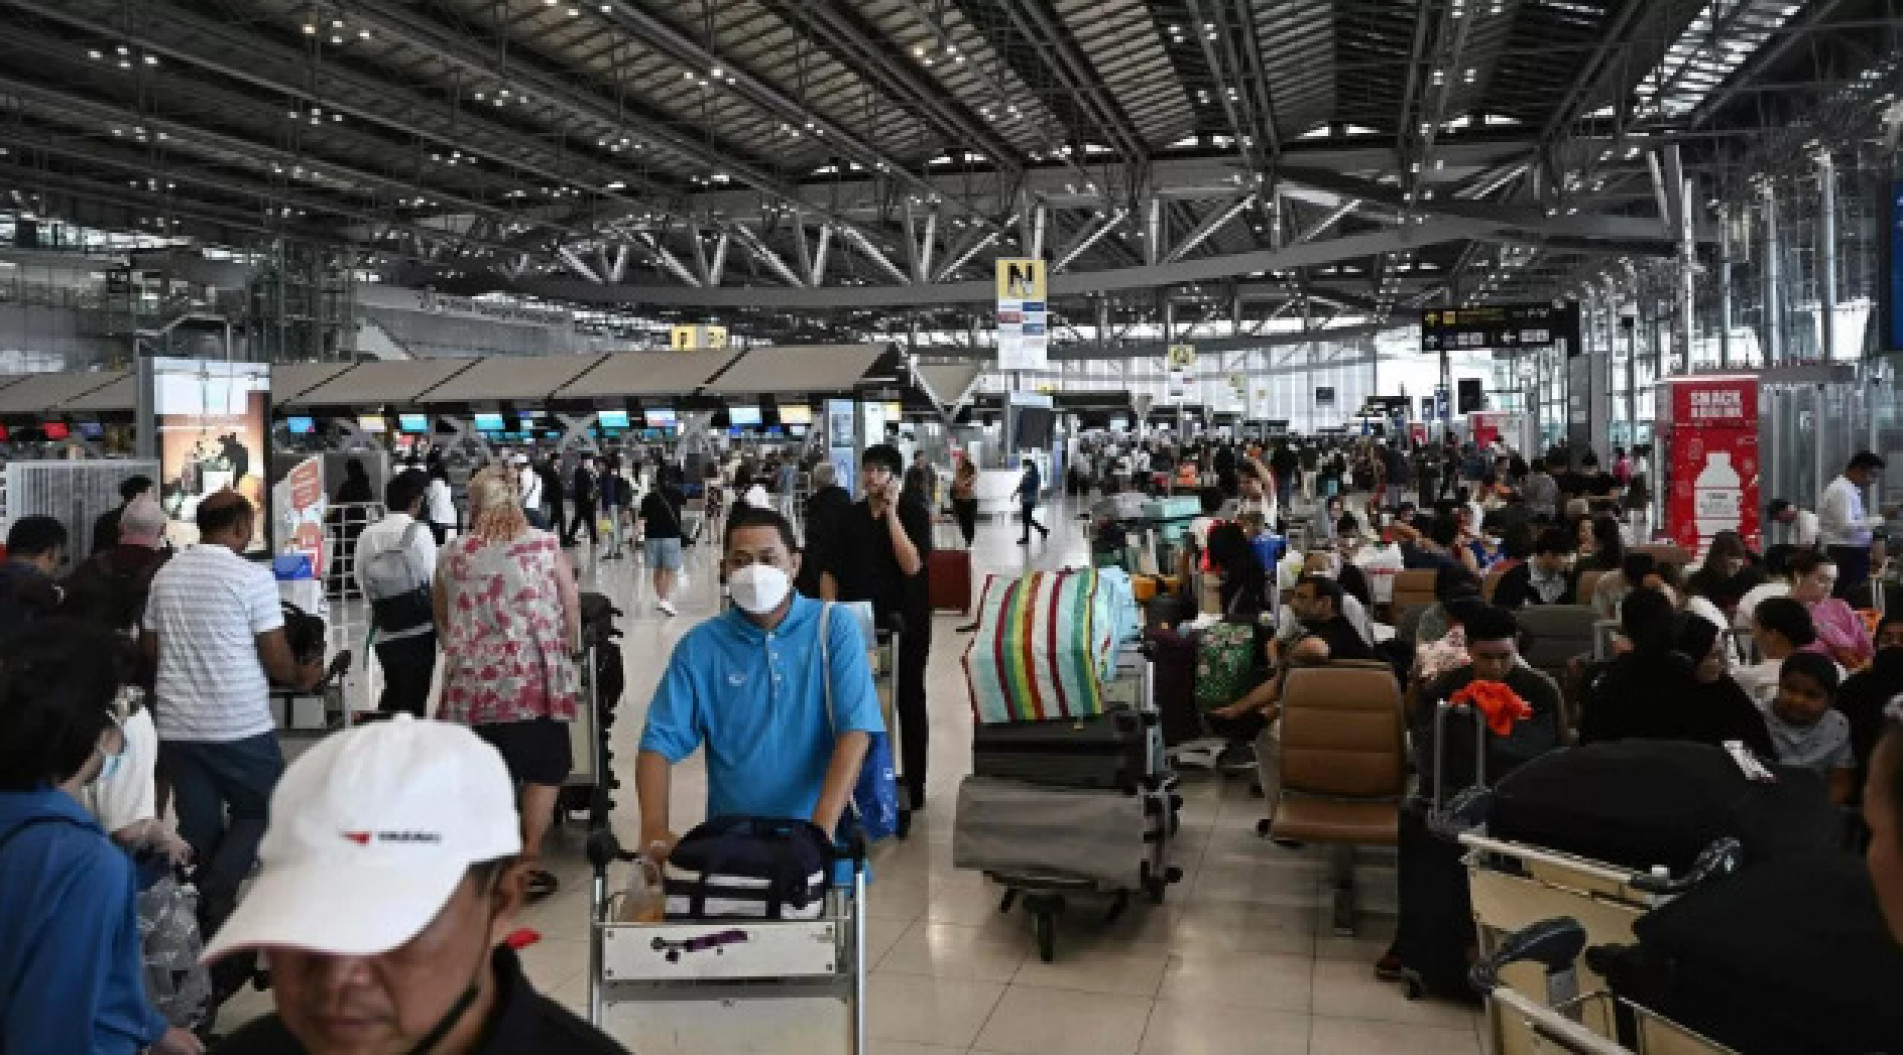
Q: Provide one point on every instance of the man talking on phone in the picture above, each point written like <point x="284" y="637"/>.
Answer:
<point x="883" y="546"/>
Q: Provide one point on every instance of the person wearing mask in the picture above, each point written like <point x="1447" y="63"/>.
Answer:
<point x="381" y="941"/>
<point x="213" y="630"/>
<point x="777" y="691"/>
<point x="72" y="974"/>
<point x="827" y="511"/>
<point x="510" y="616"/>
<point x="1865" y="694"/>
<point x="1843" y="527"/>
<point x="395" y="566"/>
<point x="587" y="499"/>
<point x="106" y="527"/>
<point x="1808" y="732"/>
<point x="1800" y="526"/>
<point x="1030" y="486"/>
<point x="1840" y="630"/>
<point x="1545" y="579"/>
<point x="884" y="547"/>
<point x="661" y="535"/>
<point x="439" y="503"/>
<point x="1780" y="627"/>
<point x="36" y="550"/>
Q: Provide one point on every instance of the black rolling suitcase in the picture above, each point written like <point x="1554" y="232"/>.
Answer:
<point x="1173" y="673"/>
<point x="1641" y="804"/>
<point x="1789" y="957"/>
<point x="1434" y="934"/>
<point x="1116" y="750"/>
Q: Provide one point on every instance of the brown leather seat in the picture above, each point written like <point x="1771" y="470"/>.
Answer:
<point x="1665" y="553"/>
<point x="1343" y="766"/>
<point x="1413" y="588"/>
<point x="1588" y="579"/>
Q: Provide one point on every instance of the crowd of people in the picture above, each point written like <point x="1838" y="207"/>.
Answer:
<point x="138" y="686"/>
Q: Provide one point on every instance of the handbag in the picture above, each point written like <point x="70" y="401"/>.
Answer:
<point x="749" y="868"/>
<point x="875" y="798"/>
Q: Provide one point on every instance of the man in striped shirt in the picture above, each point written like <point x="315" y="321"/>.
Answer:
<point x="215" y="631"/>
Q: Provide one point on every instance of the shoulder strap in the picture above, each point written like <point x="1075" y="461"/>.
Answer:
<point x="826" y="662"/>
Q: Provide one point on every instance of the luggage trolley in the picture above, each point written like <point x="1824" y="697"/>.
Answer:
<point x="1595" y="1023"/>
<point x="729" y="985"/>
<point x="1516" y="886"/>
<point x="1044" y="897"/>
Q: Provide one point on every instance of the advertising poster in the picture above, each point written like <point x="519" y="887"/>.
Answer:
<point x="1023" y="315"/>
<point x="1710" y="427"/>
<point x="297" y="503"/>
<point x="210" y="420"/>
<point x="841" y="446"/>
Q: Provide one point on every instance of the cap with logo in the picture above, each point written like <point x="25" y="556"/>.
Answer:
<point x="372" y="830"/>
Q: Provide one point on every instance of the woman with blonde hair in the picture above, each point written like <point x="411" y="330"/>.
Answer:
<point x="510" y="616"/>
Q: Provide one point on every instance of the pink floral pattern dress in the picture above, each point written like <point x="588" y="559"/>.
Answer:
<point x="505" y="650"/>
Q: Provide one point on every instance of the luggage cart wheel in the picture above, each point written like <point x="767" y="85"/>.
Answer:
<point x="1044" y="925"/>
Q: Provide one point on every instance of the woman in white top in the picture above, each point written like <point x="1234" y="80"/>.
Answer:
<point x="439" y="503"/>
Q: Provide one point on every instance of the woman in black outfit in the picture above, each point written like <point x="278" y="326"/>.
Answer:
<point x="1717" y="710"/>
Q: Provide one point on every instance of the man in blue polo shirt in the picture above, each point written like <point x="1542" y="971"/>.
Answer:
<point x="750" y="687"/>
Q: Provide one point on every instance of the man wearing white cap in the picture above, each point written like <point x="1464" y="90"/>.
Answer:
<point x="389" y="880"/>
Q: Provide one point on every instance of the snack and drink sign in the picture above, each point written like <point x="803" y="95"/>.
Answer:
<point x="1710" y="428"/>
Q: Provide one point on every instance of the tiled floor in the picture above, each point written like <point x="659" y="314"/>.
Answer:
<point x="1240" y="958"/>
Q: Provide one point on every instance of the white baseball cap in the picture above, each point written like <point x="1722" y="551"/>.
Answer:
<point x="371" y="832"/>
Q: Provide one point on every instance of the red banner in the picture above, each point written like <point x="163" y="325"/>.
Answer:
<point x="1712" y="435"/>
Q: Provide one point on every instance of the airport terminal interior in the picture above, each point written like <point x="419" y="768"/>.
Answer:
<point x="1367" y="520"/>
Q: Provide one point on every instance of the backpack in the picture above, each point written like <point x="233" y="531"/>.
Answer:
<point x="399" y="593"/>
<point x="1225" y="665"/>
<point x="304" y="633"/>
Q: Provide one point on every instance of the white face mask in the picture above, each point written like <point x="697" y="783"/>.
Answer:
<point x="759" y="588"/>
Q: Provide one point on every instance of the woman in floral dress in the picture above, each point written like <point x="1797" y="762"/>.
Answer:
<point x="510" y="616"/>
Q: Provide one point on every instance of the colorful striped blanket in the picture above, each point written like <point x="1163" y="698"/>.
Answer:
<point x="1046" y="643"/>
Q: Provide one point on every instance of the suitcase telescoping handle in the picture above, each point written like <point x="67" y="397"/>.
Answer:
<point x="1440" y="750"/>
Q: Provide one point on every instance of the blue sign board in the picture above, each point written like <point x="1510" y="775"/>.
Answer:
<point x="1892" y="293"/>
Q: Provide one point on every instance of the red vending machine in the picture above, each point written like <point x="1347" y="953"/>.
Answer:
<point x="1708" y="436"/>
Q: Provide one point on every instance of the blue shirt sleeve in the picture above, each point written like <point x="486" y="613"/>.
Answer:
<point x="674" y="726"/>
<point x="65" y="981"/>
<point x="855" y="698"/>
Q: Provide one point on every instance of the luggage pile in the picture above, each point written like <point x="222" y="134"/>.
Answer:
<point x="1069" y="792"/>
<point x="590" y="788"/>
<point x="1713" y="890"/>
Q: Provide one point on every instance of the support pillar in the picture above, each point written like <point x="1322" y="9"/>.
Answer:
<point x="1773" y="269"/>
<point x="1724" y="288"/>
<point x="1685" y="328"/>
<point x="1827" y="254"/>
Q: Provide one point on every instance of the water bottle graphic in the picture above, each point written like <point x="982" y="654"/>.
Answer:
<point x="1717" y="498"/>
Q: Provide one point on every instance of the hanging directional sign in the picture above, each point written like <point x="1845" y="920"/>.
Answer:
<point x="1023" y="315"/>
<point x="1506" y="326"/>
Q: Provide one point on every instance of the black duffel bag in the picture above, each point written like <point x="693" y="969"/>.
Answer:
<point x="1789" y="957"/>
<point x="749" y="868"/>
<point x="1646" y="803"/>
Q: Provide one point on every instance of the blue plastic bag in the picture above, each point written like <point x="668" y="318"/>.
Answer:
<point x="875" y="798"/>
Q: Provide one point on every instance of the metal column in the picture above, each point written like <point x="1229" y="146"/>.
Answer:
<point x="1773" y="280"/>
<point x="1685" y="329"/>
<point x="1724" y="288"/>
<point x="1827" y="253"/>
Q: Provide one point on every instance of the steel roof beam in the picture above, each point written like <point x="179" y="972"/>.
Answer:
<point x="443" y="44"/>
<point x="408" y="112"/>
<point x="657" y="34"/>
<point x="1059" y="53"/>
<point x="111" y="114"/>
<point x="1143" y="277"/>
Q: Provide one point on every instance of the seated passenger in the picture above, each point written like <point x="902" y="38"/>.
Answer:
<point x="1545" y="579"/>
<point x="1866" y="693"/>
<point x="1327" y="565"/>
<point x="72" y="975"/>
<point x="1806" y="731"/>
<point x="1640" y="694"/>
<point x="1883" y="812"/>
<point x="1716" y="710"/>
<point x="750" y="686"/>
<point x="1839" y="629"/>
<point x="1450" y="582"/>
<point x="392" y="879"/>
<point x="1635" y="570"/>
<point x="1327" y="635"/>
<point x="1781" y="626"/>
